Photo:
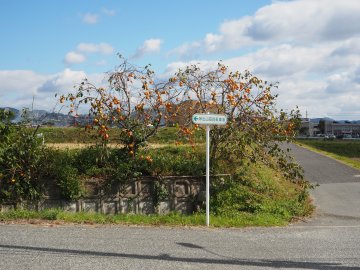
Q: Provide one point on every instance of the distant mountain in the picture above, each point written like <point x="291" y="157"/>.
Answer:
<point x="317" y="120"/>
<point x="15" y="111"/>
<point x="348" y="122"/>
<point x="42" y="117"/>
<point x="327" y="119"/>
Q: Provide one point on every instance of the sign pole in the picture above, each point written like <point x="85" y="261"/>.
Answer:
<point x="207" y="175"/>
<point x="207" y="120"/>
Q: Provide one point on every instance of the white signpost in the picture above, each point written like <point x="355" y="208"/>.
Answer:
<point x="208" y="119"/>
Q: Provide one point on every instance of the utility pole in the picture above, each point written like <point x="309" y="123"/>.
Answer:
<point x="308" y="119"/>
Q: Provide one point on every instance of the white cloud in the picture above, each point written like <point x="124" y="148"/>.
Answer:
<point x="62" y="81"/>
<point x="298" y="21"/>
<point x="90" y="18"/>
<point x="108" y="12"/>
<point x="233" y="35"/>
<point x="20" y="82"/>
<point x="93" y="18"/>
<point x="348" y="47"/>
<point x="275" y="62"/>
<point x="74" y="58"/>
<point x="212" y="41"/>
<point x="149" y="46"/>
<point x="187" y="50"/>
<point x="102" y="48"/>
<point x="18" y="87"/>
<point x="101" y="63"/>
<point x="84" y="49"/>
<point x="295" y="22"/>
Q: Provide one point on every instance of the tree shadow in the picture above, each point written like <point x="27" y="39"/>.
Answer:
<point x="167" y="257"/>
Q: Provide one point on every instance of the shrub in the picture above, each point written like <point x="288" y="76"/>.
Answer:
<point x="62" y="168"/>
<point x="259" y="189"/>
<point x="181" y="160"/>
<point x="21" y="156"/>
<point x="233" y="197"/>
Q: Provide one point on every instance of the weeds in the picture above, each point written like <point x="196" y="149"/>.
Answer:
<point x="241" y="219"/>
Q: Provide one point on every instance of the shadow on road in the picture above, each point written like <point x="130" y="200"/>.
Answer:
<point x="167" y="257"/>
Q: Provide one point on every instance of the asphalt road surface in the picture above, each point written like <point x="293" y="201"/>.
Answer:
<point x="329" y="240"/>
<point x="337" y="197"/>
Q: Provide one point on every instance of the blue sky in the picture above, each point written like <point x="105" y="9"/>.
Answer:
<point x="312" y="47"/>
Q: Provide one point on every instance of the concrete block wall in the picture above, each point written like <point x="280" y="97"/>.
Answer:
<point x="185" y="195"/>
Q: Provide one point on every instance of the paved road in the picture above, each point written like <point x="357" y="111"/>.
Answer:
<point x="298" y="247"/>
<point x="330" y="240"/>
<point x="338" y="196"/>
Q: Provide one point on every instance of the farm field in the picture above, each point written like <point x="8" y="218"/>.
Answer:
<point x="345" y="151"/>
<point x="77" y="137"/>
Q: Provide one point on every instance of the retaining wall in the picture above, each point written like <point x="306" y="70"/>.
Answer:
<point x="184" y="194"/>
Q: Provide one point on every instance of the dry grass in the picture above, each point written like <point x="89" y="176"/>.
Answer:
<point x="111" y="145"/>
<point x="71" y="145"/>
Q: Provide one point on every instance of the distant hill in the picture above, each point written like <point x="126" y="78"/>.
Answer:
<point x="43" y="117"/>
<point x="317" y="120"/>
<point x="327" y="119"/>
<point x="15" y="111"/>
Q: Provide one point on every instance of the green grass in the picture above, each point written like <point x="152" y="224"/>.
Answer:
<point x="165" y="135"/>
<point x="259" y="189"/>
<point x="177" y="160"/>
<point x="242" y="219"/>
<point x="72" y="135"/>
<point x="347" y="152"/>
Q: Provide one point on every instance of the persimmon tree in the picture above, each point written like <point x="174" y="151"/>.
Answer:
<point x="255" y="128"/>
<point x="132" y="101"/>
<point x="21" y="157"/>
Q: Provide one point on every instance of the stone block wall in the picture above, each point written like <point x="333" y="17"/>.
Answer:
<point x="185" y="194"/>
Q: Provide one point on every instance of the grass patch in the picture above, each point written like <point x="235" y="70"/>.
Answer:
<point x="67" y="135"/>
<point x="260" y="190"/>
<point x="77" y="135"/>
<point x="242" y="219"/>
<point x="177" y="160"/>
<point x="347" y="152"/>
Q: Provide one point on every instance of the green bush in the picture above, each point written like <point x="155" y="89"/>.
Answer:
<point x="62" y="168"/>
<point x="259" y="190"/>
<point x="181" y="160"/>
<point x="90" y="160"/>
<point x="233" y="197"/>
<point x="68" y="168"/>
<point x="21" y="163"/>
<point x="69" y="183"/>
